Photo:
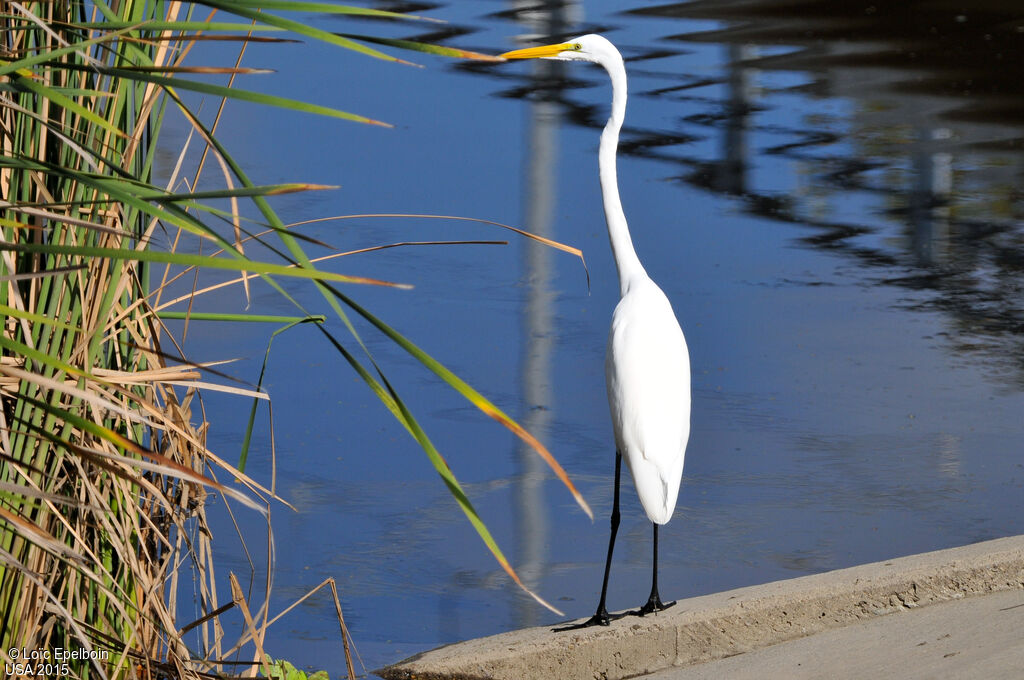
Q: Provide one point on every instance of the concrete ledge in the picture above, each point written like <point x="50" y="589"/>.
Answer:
<point x="724" y="624"/>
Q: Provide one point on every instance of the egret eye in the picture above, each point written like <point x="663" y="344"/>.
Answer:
<point x="577" y="46"/>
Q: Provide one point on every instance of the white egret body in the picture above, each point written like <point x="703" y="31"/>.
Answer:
<point x="647" y="367"/>
<point x="647" y="370"/>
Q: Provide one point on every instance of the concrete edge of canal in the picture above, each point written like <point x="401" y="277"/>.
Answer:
<point x="719" y="625"/>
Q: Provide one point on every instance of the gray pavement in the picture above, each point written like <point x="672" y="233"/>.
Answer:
<point x="953" y="614"/>
<point x="975" y="638"/>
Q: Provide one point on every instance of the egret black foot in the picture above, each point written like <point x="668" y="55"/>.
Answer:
<point x="601" y="618"/>
<point x="654" y="604"/>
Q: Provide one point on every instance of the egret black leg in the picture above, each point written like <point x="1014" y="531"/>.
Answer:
<point x="654" y="603"/>
<point x="602" y="617"/>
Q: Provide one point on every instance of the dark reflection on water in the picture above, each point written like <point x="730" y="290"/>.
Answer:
<point x="937" y="134"/>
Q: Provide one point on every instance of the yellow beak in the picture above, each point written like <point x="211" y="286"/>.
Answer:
<point x="536" y="52"/>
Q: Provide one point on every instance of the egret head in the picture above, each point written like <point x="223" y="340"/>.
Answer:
<point x="591" y="47"/>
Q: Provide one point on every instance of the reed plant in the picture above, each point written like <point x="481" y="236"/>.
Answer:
<point x="105" y="471"/>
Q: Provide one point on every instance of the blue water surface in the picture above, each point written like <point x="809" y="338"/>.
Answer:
<point x="836" y="222"/>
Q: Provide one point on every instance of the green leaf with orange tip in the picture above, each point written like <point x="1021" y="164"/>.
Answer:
<point x="50" y="55"/>
<point x="238" y="192"/>
<point x="328" y="8"/>
<point x="248" y="318"/>
<point x="160" y="26"/>
<point x="159" y="196"/>
<point x="203" y="70"/>
<point x="478" y="400"/>
<point x="191" y="260"/>
<point x="138" y="195"/>
<point x="243" y="95"/>
<point x="390" y="398"/>
<point x="301" y="29"/>
<point x="423" y="47"/>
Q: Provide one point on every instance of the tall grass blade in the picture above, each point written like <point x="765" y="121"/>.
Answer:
<point x="104" y="467"/>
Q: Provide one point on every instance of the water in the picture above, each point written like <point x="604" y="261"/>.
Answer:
<point x="829" y="194"/>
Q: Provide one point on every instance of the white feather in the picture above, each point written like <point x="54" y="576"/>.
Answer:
<point x="647" y="369"/>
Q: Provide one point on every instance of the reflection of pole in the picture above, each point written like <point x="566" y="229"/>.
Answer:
<point x="539" y="342"/>
<point x="538" y="331"/>
<point x="933" y="182"/>
<point x="731" y="171"/>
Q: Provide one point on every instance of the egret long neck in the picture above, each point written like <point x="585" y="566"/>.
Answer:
<point x="618" y="231"/>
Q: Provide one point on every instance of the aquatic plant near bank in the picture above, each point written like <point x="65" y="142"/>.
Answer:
<point x="105" y="471"/>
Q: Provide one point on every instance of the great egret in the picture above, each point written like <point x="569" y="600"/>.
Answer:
<point x="647" y="366"/>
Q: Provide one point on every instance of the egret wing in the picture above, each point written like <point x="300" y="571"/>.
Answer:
<point x="648" y="376"/>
